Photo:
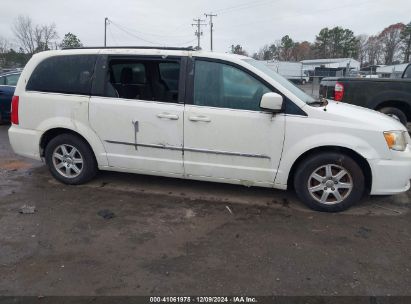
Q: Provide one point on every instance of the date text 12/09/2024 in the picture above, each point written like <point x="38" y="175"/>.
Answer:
<point x="201" y="299"/>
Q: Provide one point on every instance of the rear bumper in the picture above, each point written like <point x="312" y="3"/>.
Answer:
<point x="25" y="142"/>
<point x="391" y="176"/>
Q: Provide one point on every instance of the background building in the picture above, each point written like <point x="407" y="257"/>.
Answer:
<point x="391" y="71"/>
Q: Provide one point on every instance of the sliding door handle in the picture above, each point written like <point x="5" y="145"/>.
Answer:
<point x="167" y="116"/>
<point x="199" y="118"/>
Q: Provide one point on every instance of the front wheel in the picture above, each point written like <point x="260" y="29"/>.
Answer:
<point x="70" y="159"/>
<point x="329" y="182"/>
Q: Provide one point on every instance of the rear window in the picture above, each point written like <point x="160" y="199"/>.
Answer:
<point x="63" y="74"/>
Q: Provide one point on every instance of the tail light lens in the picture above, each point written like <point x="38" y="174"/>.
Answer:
<point x="15" y="110"/>
<point x="338" y="91"/>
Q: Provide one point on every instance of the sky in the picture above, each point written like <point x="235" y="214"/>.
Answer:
<point x="249" y="23"/>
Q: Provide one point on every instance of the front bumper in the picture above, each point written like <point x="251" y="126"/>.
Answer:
<point x="391" y="176"/>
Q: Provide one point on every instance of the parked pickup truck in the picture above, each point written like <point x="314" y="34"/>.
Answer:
<point x="389" y="96"/>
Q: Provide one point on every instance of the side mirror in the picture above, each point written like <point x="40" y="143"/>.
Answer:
<point x="272" y="101"/>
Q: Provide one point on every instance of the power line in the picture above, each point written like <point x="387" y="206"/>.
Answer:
<point x="125" y="30"/>
<point x="112" y="35"/>
<point x="151" y="34"/>
<point x="211" y="15"/>
<point x="188" y="42"/>
<point x="243" y="6"/>
<point x="134" y="35"/>
<point x="198" y="32"/>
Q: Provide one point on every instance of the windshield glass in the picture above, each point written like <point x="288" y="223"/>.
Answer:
<point x="281" y="80"/>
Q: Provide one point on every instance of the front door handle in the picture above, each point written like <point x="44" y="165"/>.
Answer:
<point x="200" y="118"/>
<point x="168" y="116"/>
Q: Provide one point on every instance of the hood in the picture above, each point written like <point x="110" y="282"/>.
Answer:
<point x="362" y="118"/>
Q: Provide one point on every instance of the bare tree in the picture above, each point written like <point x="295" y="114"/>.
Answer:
<point x="362" y="48"/>
<point x="390" y="38"/>
<point x="267" y="52"/>
<point x="33" y="38"/>
<point x="302" y="51"/>
<point x="374" y="50"/>
<point x="406" y="42"/>
<point x="4" y="48"/>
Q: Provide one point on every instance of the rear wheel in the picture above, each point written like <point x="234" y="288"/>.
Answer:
<point x="70" y="159"/>
<point x="329" y="182"/>
<point x="395" y="113"/>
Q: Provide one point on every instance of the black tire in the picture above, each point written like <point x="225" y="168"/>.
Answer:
<point x="355" y="177"/>
<point x="303" y="82"/>
<point x="88" y="166"/>
<point x="391" y="111"/>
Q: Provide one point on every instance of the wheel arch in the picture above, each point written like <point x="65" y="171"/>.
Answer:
<point x="53" y="133"/>
<point x="359" y="159"/>
<point x="399" y="104"/>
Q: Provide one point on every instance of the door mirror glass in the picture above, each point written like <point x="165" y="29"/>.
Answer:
<point x="272" y="101"/>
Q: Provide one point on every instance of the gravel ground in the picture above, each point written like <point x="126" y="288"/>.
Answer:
<point x="176" y="237"/>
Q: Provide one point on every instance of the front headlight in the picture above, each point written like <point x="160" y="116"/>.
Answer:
<point x="396" y="140"/>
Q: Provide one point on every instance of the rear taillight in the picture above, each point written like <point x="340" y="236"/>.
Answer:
<point x="338" y="91"/>
<point x="15" y="110"/>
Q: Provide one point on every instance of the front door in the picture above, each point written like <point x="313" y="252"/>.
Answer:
<point x="227" y="137"/>
<point x="139" y="117"/>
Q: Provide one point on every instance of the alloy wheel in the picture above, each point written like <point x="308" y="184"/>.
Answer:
<point x="68" y="161"/>
<point x="330" y="184"/>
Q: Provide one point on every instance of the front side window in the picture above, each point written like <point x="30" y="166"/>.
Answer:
<point x="151" y="80"/>
<point x="280" y="79"/>
<point x="69" y="74"/>
<point x="224" y="86"/>
<point x="2" y="80"/>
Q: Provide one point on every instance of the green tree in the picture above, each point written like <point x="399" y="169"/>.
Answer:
<point x="406" y="42"/>
<point x="286" y="48"/>
<point x="238" y="49"/>
<point x="267" y="52"/>
<point x="322" y="43"/>
<point x="70" y="41"/>
<point x="336" y="42"/>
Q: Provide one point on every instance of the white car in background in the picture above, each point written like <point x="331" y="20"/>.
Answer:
<point x="203" y="116"/>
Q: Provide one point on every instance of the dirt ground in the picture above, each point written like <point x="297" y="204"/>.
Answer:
<point x="176" y="237"/>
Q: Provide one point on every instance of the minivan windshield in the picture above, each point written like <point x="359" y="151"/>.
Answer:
<point x="281" y="80"/>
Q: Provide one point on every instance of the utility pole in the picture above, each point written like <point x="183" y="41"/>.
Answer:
<point x="198" y="32"/>
<point x="105" y="31"/>
<point x="211" y="15"/>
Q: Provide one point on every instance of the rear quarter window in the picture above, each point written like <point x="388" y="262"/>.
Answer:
<point x="69" y="74"/>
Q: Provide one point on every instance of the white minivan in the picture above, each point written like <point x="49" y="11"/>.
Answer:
<point x="205" y="116"/>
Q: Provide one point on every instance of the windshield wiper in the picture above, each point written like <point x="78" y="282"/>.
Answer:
<point x="321" y="102"/>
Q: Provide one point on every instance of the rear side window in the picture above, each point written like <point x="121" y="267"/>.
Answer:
<point x="143" y="79"/>
<point x="11" y="80"/>
<point x="63" y="74"/>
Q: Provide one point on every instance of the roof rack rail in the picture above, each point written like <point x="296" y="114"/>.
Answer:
<point x="190" y="48"/>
